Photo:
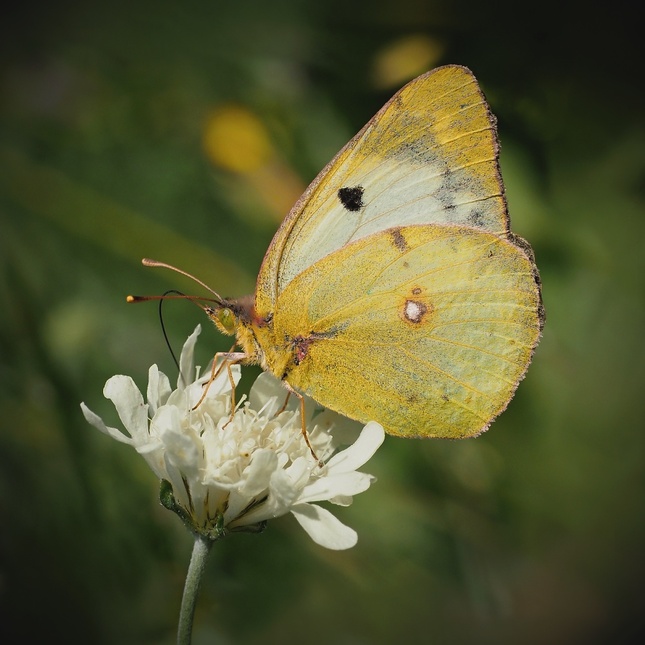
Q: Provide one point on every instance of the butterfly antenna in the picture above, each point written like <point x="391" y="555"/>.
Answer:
<point x="165" y="333"/>
<point x="155" y="263"/>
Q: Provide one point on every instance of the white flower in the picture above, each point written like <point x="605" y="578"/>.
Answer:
<point x="234" y="472"/>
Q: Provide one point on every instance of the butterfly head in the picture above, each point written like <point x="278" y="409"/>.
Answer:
<point x="237" y="318"/>
<point x="230" y="315"/>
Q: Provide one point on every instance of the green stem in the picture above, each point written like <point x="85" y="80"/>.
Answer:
<point x="198" y="558"/>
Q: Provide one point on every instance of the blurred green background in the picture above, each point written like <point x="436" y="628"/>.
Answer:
<point x="117" y="142"/>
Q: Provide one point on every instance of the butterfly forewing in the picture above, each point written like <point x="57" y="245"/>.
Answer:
<point x="429" y="156"/>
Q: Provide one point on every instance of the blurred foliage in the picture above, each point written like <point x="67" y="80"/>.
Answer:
<point x="111" y="119"/>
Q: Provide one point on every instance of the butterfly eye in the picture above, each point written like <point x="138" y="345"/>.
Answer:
<point x="226" y="318"/>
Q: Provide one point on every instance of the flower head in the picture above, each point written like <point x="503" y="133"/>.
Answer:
<point x="234" y="470"/>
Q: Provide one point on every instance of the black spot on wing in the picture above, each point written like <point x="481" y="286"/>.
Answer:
<point x="351" y="197"/>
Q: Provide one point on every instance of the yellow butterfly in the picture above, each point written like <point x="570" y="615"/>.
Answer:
<point x="394" y="290"/>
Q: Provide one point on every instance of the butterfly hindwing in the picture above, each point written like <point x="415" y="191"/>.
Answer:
<point x="426" y="329"/>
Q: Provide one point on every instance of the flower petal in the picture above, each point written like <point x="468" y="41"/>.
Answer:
<point x="343" y="484"/>
<point x="324" y="528"/>
<point x="258" y="473"/>
<point x="268" y="391"/>
<point x="284" y="491"/>
<point x="129" y="404"/>
<point x="98" y="423"/>
<point x="353" y="457"/>
<point x="186" y="363"/>
<point x="159" y="389"/>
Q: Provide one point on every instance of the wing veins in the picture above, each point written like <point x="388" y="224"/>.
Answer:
<point x="438" y="393"/>
<point x="465" y="134"/>
<point x="477" y="349"/>
<point x="466" y="386"/>
<point x="374" y="282"/>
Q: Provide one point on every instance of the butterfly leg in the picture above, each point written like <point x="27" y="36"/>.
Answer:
<point x="284" y="405"/>
<point x="229" y="358"/>
<point x="305" y="434"/>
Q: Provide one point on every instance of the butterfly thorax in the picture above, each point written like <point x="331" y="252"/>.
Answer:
<point x="248" y="341"/>
<point x="257" y="337"/>
<point x="274" y="351"/>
